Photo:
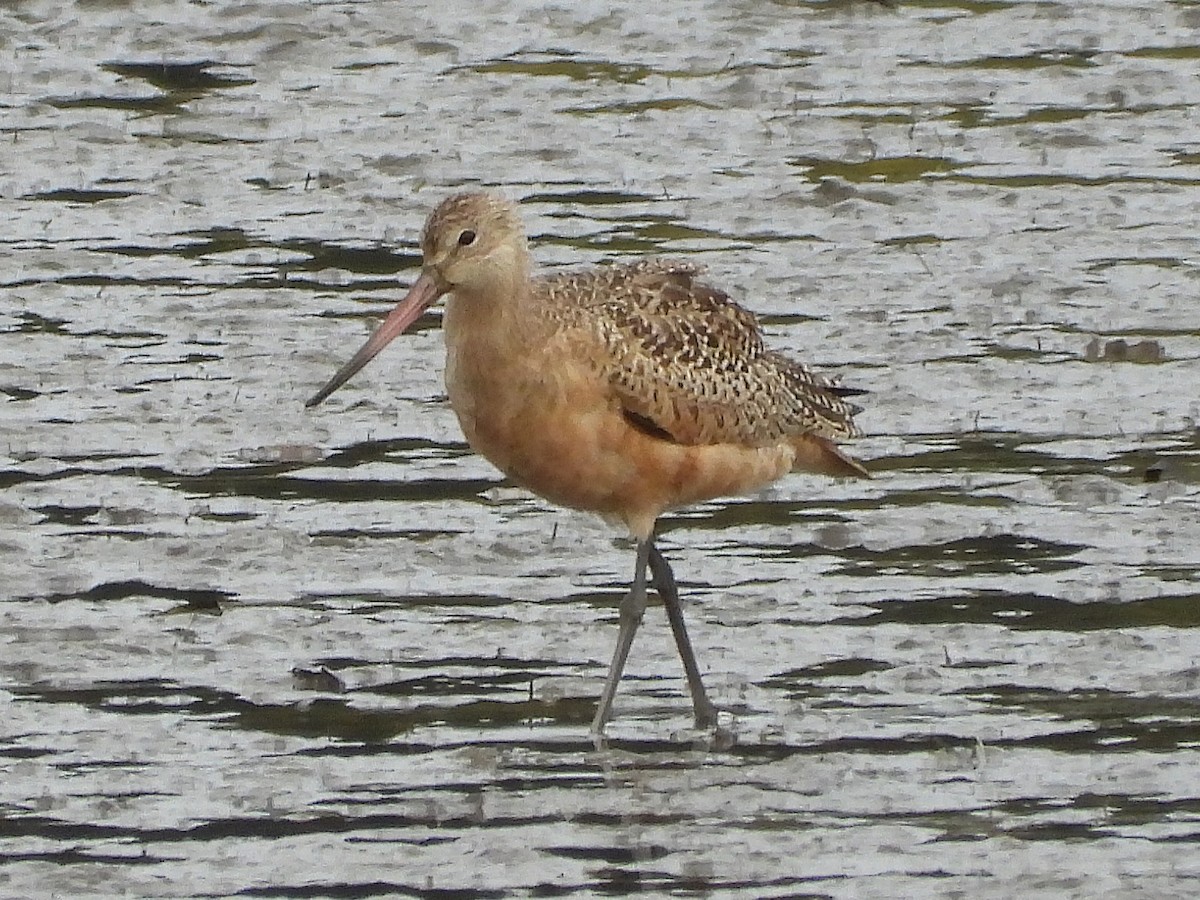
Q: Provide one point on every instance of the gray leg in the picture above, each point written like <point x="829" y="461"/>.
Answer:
<point x="632" y="609"/>
<point x="664" y="582"/>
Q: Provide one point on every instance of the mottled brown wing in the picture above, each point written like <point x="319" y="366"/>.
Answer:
<point x="687" y="363"/>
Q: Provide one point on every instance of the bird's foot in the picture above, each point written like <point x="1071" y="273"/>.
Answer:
<point x="706" y="715"/>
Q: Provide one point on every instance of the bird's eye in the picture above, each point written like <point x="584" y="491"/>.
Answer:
<point x="466" y="238"/>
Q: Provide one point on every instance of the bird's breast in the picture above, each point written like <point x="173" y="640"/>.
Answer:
<point x="552" y="423"/>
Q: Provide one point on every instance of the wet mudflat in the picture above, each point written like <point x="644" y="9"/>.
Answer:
<point x="248" y="649"/>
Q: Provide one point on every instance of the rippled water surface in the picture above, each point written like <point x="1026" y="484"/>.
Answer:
<point x="248" y="649"/>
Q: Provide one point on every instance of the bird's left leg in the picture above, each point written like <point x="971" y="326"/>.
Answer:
<point x="633" y="607"/>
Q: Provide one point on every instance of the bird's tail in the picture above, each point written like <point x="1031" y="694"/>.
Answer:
<point x="823" y="457"/>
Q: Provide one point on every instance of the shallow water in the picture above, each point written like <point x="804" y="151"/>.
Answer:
<point x="252" y="649"/>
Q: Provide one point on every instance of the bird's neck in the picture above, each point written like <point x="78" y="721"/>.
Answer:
<point x="500" y="313"/>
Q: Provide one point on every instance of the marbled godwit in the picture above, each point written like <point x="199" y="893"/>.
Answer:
<point x="624" y="390"/>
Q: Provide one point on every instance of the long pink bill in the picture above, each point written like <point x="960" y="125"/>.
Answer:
<point x="419" y="298"/>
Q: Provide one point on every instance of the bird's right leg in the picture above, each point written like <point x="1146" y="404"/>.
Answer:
<point x="633" y="607"/>
<point x="664" y="583"/>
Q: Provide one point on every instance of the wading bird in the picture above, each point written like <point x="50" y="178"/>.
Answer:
<point x="624" y="390"/>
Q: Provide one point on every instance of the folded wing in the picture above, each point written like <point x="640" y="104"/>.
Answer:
<point x="688" y="364"/>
